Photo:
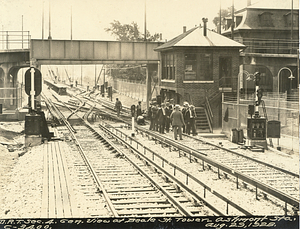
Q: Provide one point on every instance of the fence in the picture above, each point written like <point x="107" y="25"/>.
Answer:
<point x="14" y="40"/>
<point x="12" y="98"/>
<point x="277" y="108"/>
<point x="135" y="89"/>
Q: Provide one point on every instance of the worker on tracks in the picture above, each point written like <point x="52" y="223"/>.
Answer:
<point x="169" y="111"/>
<point x="177" y="122"/>
<point x="118" y="106"/>
<point x="189" y="118"/>
<point x="153" y="118"/>
<point x="183" y="111"/>
<point x="161" y="119"/>
<point x="139" y="109"/>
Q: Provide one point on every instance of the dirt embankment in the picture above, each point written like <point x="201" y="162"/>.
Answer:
<point x="11" y="148"/>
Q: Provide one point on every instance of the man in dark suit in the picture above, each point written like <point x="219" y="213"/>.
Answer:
<point x="177" y="122"/>
<point x="161" y="118"/>
<point x="183" y="110"/>
<point x="190" y="116"/>
<point x="169" y="111"/>
<point x="153" y="118"/>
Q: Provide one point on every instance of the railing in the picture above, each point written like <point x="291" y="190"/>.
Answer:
<point x="271" y="46"/>
<point x="277" y="108"/>
<point x="11" y="98"/>
<point x="14" y="40"/>
<point x="224" y="82"/>
<point x="209" y="114"/>
<point x="134" y="89"/>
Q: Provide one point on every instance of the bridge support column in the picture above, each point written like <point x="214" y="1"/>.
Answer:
<point x="9" y="87"/>
<point x="148" y="86"/>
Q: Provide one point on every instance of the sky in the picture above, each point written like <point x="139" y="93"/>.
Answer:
<point x="91" y="17"/>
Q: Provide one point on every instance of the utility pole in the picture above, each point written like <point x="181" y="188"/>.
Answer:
<point x="95" y="75"/>
<point x="145" y="37"/>
<point x="81" y="75"/>
<point x="22" y="33"/>
<point x="232" y="20"/>
<point x="43" y="22"/>
<point x="71" y="23"/>
<point x="292" y="21"/>
<point x="298" y="69"/>
<point x="49" y="37"/>
<point x="220" y="22"/>
<point x="2" y="38"/>
<point x="104" y="75"/>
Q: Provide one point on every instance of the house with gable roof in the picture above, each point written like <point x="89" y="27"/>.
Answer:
<point x="196" y="66"/>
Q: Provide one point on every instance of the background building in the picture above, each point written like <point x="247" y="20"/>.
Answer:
<point x="197" y="66"/>
<point x="270" y="30"/>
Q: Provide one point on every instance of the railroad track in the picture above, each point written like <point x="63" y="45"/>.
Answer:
<point x="278" y="178"/>
<point x="130" y="186"/>
<point x="242" y="180"/>
<point x="271" y="180"/>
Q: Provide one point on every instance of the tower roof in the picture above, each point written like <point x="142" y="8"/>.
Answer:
<point x="195" y="38"/>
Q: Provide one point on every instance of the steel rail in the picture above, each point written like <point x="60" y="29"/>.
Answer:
<point x="179" y="169"/>
<point x="66" y="122"/>
<point x="161" y="188"/>
<point x="94" y="175"/>
<point x="51" y="108"/>
<point x="199" y="155"/>
<point x="101" y="187"/>
<point x="245" y="156"/>
<point x="61" y="116"/>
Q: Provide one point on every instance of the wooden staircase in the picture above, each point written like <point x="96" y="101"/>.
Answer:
<point x="202" y="124"/>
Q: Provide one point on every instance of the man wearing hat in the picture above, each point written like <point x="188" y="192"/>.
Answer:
<point x="190" y="116"/>
<point x="177" y="122"/>
<point x="169" y="111"/>
<point x="153" y="118"/>
<point x="161" y="118"/>
<point x="139" y="109"/>
<point x="184" y="110"/>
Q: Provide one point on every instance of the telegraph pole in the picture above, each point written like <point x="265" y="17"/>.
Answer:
<point x="232" y="20"/>
<point x="49" y="37"/>
<point x="71" y="23"/>
<point x="22" y="33"/>
<point x="292" y="21"/>
<point x="43" y="22"/>
<point x="220" y="22"/>
<point x="145" y="37"/>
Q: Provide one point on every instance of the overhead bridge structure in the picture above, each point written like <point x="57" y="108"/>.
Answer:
<point x="37" y="52"/>
<point x="56" y="52"/>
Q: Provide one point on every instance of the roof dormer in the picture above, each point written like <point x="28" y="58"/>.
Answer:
<point x="288" y="19"/>
<point x="265" y="19"/>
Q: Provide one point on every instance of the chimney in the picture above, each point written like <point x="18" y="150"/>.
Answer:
<point x="184" y="29"/>
<point x="160" y="36"/>
<point x="204" y="27"/>
<point x="248" y="2"/>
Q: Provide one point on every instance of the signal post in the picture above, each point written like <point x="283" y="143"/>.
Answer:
<point x="35" y="123"/>
<point x="256" y="125"/>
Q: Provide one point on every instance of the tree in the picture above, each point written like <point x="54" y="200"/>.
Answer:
<point x="126" y="32"/>
<point x="129" y="32"/>
<point x="224" y="13"/>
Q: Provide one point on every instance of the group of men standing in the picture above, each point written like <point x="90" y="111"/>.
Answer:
<point x="167" y="115"/>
